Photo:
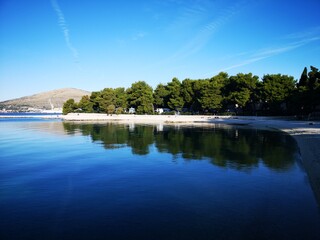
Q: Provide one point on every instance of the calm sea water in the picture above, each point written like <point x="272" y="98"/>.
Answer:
<point x="109" y="181"/>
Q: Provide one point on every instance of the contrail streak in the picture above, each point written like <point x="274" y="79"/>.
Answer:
<point x="63" y="25"/>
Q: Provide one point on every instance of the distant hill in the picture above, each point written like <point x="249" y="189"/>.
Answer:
<point x="51" y="100"/>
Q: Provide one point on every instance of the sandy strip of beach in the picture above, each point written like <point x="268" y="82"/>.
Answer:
<point x="306" y="133"/>
<point x="129" y="118"/>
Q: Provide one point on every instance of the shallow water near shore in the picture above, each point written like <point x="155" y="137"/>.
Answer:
<point x="115" y="181"/>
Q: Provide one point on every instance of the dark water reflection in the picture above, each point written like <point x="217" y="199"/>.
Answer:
<point x="232" y="147"/>
<point x="65" y="181"/>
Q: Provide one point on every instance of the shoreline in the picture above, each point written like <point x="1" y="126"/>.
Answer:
<point x="306" y="133"/>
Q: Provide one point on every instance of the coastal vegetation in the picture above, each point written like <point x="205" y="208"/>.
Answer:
<point x="246" y="94"/>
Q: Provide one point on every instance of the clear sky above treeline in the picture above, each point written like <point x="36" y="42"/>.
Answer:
<point x="50" y="44"/>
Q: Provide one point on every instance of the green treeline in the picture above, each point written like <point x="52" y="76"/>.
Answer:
<point x="274" y="94"/>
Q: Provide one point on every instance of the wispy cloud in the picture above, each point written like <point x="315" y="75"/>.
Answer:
<point x="271" y="52"/>
<point x="203" y="19"/>
<point x="311" y="32"/>
<point x="209" y="28"/>
<point x="187" y="16"/>
<point x="139" y="35"/>
<point x="64" y="27"/>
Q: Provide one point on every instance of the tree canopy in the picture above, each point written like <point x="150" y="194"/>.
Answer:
<point x="140" y="96"/>
<point x="243" y="93"/>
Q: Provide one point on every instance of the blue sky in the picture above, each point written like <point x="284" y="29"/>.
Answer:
<point x="91" y="45"/>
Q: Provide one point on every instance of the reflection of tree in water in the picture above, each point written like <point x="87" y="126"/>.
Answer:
<point x="140" y="138"/>
<point x="234" y="148"/>
<point x="237" y="148"/>
<point x="110" y="136"/>
<point x="116" y="136"/>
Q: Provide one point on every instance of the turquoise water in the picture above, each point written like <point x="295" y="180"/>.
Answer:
<point x="110" y="181"/>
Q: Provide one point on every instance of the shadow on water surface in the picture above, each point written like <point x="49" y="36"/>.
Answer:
<point x="61" y="180"/>
<point x="233" y="147"/>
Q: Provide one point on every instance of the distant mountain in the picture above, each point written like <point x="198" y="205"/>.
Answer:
<point x="51" y="100"/>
